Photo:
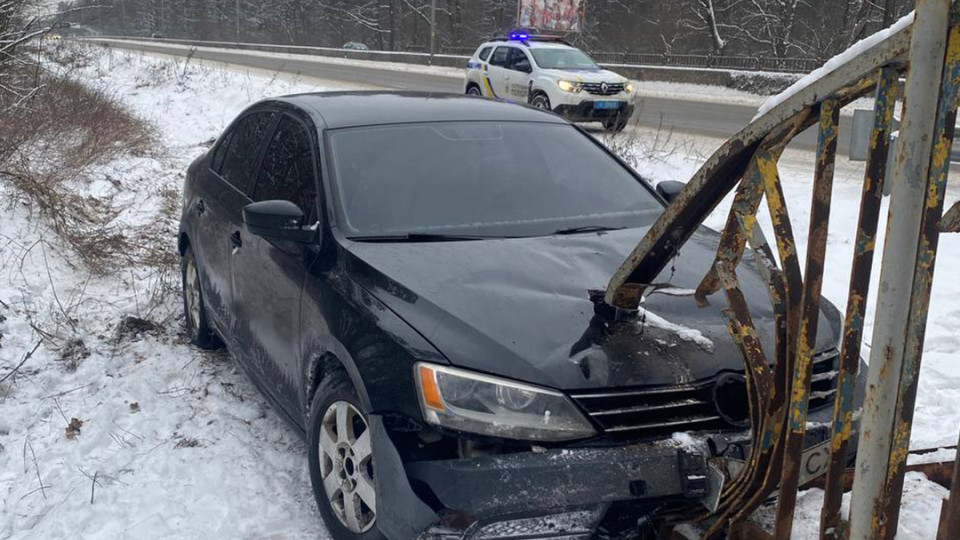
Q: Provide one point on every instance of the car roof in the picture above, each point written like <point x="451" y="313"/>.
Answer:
<point x="377" y="107"/>
<point x="532" y="44"/>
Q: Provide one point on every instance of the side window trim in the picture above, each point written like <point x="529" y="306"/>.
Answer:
<point x="221" y="146"/>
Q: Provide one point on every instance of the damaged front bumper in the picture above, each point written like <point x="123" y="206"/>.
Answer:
<point x="551" y="493"/>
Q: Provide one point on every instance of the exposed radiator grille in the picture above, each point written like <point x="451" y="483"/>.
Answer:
<point x="640" y="413"/>
<point x="597" y="88"/>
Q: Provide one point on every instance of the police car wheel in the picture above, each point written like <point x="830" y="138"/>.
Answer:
<point x="616" y="123"/>
<point x="541" y="101"/>
<point x="473" y="91"/>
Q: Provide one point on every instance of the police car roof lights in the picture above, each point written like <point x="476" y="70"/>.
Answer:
<point x="524" y="37"/>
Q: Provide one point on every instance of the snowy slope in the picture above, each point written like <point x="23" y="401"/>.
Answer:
<point x="201" y="455"/>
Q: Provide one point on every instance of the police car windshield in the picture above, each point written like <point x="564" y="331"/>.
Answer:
<point x="563" y="59"/>
<point x="481" y="179"/>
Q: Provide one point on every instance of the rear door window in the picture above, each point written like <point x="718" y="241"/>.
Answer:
<point x="500" y="56"/>
<point x="287" y="170"/>
<point x="242" y="149"/>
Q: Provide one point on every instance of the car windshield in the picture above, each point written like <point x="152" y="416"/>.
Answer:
<point x="563" y="59"/>
<point x="481" y="179"/>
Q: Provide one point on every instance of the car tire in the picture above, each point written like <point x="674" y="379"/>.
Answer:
<point x="199" y="330"/>
<point x="474" y="90"/>
<point x="616" y="123"/>
<point x="541" y="101"/>
<point x="341" y="462"/>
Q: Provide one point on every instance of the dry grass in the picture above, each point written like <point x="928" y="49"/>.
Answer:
<point x="639" y="145"/>
<point x="49" y="149"/>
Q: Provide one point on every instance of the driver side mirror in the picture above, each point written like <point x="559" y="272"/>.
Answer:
<point x="669" y="189"/>
<point x="523" y="66"/>
<point x="277" y="220"/>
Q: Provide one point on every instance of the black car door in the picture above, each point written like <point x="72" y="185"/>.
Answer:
<point x="269" y="274"/>
<point x="221" y="196"/>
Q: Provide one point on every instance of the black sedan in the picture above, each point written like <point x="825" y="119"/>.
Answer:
<point x="410" y="280"/>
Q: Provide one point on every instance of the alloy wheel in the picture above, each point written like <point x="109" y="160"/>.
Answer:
<point x="346" y="466"/>
<point x="191" y="291"/>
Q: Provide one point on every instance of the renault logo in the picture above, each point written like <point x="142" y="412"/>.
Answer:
<point x="604" y="87"/>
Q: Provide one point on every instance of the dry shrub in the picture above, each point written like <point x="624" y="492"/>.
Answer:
<point x="49" y="147"/>
<point x="639" y="145"/>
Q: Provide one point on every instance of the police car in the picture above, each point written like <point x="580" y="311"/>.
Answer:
<point x="549" y="73"/>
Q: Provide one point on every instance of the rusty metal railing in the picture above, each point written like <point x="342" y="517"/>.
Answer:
<point x="927" y="52"/>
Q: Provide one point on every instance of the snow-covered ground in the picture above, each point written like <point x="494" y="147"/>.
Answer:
<point x="174" y="442"/>
<point x="200" y="454"/>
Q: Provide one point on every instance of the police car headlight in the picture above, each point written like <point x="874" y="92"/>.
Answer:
<point x="629" y="87"/>
<point x="569" y="86"/>
<point x="467" y="401"/>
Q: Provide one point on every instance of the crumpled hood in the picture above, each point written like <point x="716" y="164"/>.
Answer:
<point x="521" y="308"/>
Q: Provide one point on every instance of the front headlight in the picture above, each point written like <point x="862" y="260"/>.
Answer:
<point x="629" y="87"/>
<point x="465" y="401"/>
<point x="569" y="86"/>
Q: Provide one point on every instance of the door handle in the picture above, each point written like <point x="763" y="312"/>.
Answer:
<point x="201" y="208"/>
<point x="235" y="240"/>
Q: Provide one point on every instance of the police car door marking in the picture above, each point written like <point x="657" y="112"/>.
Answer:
<point x="489" y="86"/>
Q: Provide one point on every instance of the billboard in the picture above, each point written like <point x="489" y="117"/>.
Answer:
<point x="556" y="15"/>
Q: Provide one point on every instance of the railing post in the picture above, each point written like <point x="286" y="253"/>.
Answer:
<point x="871" y="516"/>
<point x="886" y="99"/>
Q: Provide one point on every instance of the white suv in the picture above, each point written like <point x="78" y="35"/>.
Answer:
<point x="548" y="73"/>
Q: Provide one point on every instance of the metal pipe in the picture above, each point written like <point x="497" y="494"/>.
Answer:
<point x="925" y="257"/>
<point x="809" y="316"/>
<point x="860" y="273"/>
<point x="950" y="508"/>
<point x="238" y="21"/>
<point x="928" y="44"/>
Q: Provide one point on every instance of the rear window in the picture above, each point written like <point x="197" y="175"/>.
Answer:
<point x="489" y="178"/>
<point x="484" y="53"/>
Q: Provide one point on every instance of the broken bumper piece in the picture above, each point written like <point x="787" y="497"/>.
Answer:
<point x="562" y="493"/>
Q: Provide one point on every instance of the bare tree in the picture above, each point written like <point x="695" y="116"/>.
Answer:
<point x="776" y="26"/>
<point x="704" y="15"/>
<point x="17" y="27"/>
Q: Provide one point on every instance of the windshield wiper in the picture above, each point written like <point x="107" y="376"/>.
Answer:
<point x="587" y="229"/>
<point x="421" y="237"/>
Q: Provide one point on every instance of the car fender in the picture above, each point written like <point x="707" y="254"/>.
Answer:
<point x="548" y="85"/>
<point x="472" y="76"/>
<point x="328" y="355"/>
<point x="343" y="322"/>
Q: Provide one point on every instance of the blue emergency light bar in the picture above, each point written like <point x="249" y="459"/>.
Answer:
<point x="525" y="37"/>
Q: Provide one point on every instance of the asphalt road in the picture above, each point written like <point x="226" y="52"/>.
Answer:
<point x="707" y="119"/>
